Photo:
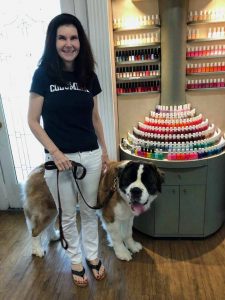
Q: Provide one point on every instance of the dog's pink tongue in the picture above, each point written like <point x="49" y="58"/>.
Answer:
<point x="137" y="208"/>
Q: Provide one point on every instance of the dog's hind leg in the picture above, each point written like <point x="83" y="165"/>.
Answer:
<point x="114" y="231"/>
<point x="40" y="222"/>
<point x="132" y="245"/>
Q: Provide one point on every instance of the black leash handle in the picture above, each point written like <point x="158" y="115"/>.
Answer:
<point x="50" y="165"/>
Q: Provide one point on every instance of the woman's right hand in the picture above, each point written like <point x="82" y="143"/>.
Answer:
<point x="61" y="160"/>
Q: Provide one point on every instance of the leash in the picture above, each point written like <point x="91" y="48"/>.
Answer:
<point x="50" y="165"/>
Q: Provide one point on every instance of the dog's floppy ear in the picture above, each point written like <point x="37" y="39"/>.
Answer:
<point x="160" y="176"/>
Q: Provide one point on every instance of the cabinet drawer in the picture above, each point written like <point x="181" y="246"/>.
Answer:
<point x="192" y="208"/>
<point x="167" y="211"/>
<point x="185" y="176"/>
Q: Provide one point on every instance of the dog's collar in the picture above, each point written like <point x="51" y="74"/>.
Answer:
<point x="114" y="186"/>
<point x="112" y="190"/>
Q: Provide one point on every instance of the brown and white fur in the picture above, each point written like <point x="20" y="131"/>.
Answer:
<point x="40" y="210"/>
<point x="134" y="194"/>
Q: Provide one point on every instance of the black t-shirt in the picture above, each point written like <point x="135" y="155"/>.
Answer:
<point x="67" y="111"/>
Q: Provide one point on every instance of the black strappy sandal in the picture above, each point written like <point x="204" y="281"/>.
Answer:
<point x="79" y="274"/>
<point x="97" y="268"/>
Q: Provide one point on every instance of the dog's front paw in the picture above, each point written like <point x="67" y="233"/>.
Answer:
<point x="37" y="248"/>
<point x="123" y="253"/>
<point x="133" y="246"/>
<point x="40" y="252"/>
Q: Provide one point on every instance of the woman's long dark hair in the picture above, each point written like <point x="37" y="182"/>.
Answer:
<point x="84" y="62"/>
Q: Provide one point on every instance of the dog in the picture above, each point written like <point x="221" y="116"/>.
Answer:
<point x="40" y="210"/>
<point x="138" y="185"/>
<point x="126" y="189"/>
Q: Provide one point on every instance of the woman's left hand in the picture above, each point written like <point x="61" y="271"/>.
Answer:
<point x="105" y="162"/>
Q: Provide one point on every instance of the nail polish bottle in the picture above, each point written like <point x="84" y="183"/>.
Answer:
<point x="203" y="69"/>
<point x="182" y="154"/>
<point x="211" y="67"/>
<point x="156" y="154"/>
<point x="161" y="155"/>
<point x="204" y="51"/>
<point x="148" y="153"/>
<point x="174" y="155"/>
<point x="169" y="155"/>
<point x="179" y="154"/>
<point x="211" y="83"/>
<point x="191" y="155"/>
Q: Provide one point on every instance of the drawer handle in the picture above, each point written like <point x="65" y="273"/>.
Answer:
<point x="185" y="191"/>
<point x="179" y="176"/>
<point x="173" y="191"/>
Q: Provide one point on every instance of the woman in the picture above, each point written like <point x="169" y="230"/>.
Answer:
<point x="63" y="92"/>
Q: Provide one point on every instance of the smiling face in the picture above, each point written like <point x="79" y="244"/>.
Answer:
<point x="67" y="45"/>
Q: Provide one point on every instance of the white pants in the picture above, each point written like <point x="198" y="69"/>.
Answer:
<point x="88" y="236"/>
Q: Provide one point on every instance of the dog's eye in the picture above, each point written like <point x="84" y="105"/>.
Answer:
<point x="126" y="178"/>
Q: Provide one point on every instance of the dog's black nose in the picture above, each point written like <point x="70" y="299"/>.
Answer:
<point x="136" y="192"/>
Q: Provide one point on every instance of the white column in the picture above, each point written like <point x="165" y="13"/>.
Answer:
<point x="80" y="7"/>
<point x="77" y="8"/>
<point x="67" y="6"/>
<point x="100" y="35"/>
<point x="95" y="16"/>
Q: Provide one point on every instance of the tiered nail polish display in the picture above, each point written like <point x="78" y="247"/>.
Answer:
<point x="175" y="133"/>
<point x="137" y="54"/>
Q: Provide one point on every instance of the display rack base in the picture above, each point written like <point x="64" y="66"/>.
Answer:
<point x="192" y="202"/>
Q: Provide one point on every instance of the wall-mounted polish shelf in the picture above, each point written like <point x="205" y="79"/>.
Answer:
<point x="205" y="40"/>
<point x="204" y="22"/>
<point x="146" y="27"/>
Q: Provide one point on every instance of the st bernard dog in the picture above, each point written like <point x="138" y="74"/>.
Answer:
<point x="138" y="185"/>
<point x="126" y="189"/>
